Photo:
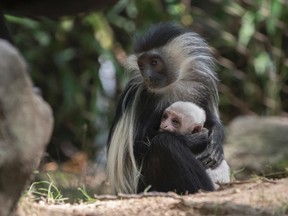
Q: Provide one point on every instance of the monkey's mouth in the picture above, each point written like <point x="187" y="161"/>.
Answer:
<point x="155" y="84"/>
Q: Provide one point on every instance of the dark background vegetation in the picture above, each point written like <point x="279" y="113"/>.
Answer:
<point x="249" y="39"/>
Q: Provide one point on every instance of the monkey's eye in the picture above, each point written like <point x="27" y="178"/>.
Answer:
<point x="176" y="122"/>
<point x="154" y="62"/>
<point x="164" y="116"/>
<point x="141" y="66"/>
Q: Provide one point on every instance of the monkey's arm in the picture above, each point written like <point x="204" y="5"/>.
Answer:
<point x="213" y="155"/>
<point x="197" y="142"/>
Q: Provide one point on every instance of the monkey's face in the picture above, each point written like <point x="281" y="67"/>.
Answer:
<point x="177" y="122"/>
<point x="154" y="70"/>
<point x="172" y="122"/>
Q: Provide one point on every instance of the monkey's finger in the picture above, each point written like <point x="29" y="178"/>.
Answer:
<point x="207" y="162"/>
<point x="202" y="156"/>
<point x="207" y="152"/>
<point x="218" y="160"/>
<point x="210" y="163"/>
<point x="205" y="159"/>
<point x="210" y="159"/>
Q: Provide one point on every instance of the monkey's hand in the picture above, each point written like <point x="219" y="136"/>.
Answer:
<point x="198" y="142"/>
<point x="213" y="155"/>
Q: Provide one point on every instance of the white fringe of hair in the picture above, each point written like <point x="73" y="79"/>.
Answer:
<point x="123" y="172"/>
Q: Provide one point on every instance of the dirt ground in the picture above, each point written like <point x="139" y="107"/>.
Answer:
<point x="255" y="197"/>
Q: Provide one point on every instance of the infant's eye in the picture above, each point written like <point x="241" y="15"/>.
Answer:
<point x="176" y="122"/>
<point x="164" y="116"/>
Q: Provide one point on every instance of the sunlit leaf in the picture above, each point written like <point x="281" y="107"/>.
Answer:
<point x="29" y="23"/>
<point x="102" y="29"/>
<point x="261" y="63"/>
<point x="247" y="29"/>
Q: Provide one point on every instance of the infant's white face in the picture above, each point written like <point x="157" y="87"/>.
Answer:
<point x="183" y="118"/>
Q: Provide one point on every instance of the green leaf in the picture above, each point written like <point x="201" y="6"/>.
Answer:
<point x="275" y="13"/>
<point x="261" y="63"/>
<point x="247" y="29"/>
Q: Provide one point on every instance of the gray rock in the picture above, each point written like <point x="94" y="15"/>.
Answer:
<point x="26" y="124"/>
<point x="258" y="145"/>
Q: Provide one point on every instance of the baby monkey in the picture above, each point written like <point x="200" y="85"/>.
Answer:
<point x="183" y="118"/>
<point x="187" y="118"/>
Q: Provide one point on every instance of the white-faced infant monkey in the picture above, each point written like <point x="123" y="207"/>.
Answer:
<point x="188" y="118"/>
<point x="183" y="118"/>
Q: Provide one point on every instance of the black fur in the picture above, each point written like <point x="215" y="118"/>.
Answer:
<point x="169" y="165"/>
<point x="158" y="36"/>
<point x="196" y="142"/>
<point x="214" y="125"/>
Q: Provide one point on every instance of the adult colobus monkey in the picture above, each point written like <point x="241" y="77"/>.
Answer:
<point x="170" y="64"/>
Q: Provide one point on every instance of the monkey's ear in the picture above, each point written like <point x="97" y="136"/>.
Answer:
<point x="197" y="128"/>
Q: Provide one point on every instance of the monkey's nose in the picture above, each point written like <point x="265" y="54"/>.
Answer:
<point x="165" y="126"/>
